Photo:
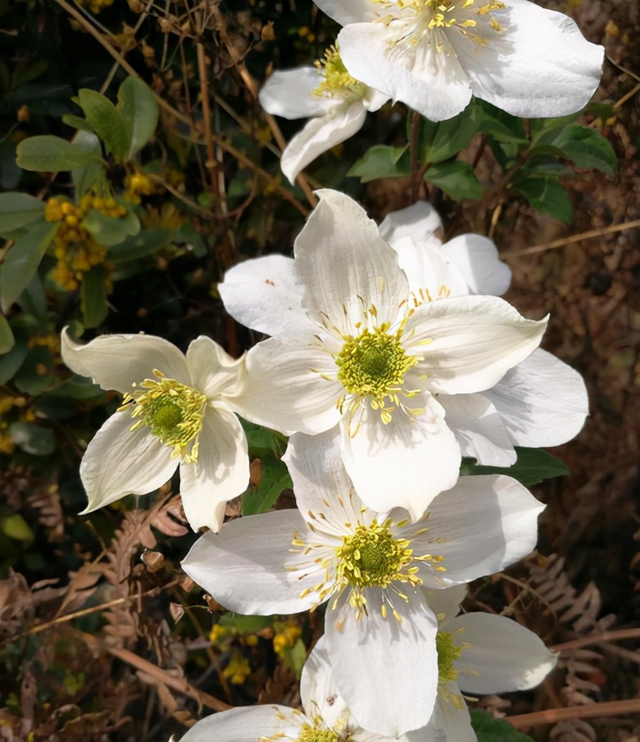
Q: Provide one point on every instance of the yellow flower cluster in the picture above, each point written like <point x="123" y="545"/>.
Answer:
<point x="7" y="402"/>
<point x="238" y="668"/>
<point x="76" y="250"/>
<point x="286" y="636"/>
<point x="94" y="6"/>
<point x="137" y="185"/>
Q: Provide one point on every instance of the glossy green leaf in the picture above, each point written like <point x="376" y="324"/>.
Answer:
<point x="17" y="210"/>
<point x="11" y="361"/>
<point x="50" y="154"/>
<point x="501" y="126"/>
<point x="275" y="478"/>
<point x="456" y="179"/>
<point x="440" y="141"/>
<point x="249" y="624"/>
<point x="488" y="729"/>
<point x="138" y="106"/>
<point x="77" y="122"/>
<point x="15" y="526"/>
<point x="381" y="161"/>
<point x="587" y="148"/>
<point x="22" y="261"/>
<point x="143" y="244"/>
<point x="263" y="441"/>
<point x="37" y="374"/>
<point x="532" y="467"/>
<point x="106" y="121"/>
<point x="7" y="341"/>
<point x="546" y="194"/>
<point x="93" y="296"/>
<point x="109" y="231"/>
<point x="33" y="439"/>
<point x="86" y="178"/>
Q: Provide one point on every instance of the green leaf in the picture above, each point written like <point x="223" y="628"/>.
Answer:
<point x="585" y="147"/>
<point x="532" y="467"/>
<point x="142" y="244"/>
<point x="488" y="729"/>
<point x="93" y="296"/>
<point x="456" y="179"/>
<point x="108" y="230"/>
<point x="381" y="161"/>
<point x="15" y="526"/>
<point x="11" y="362"/>
<point x="274" y="479"/>
<point x="33" y="439"/>
<point x="76" y="122"/>
<point x="539" y="127"/>
<point x="36" y="375"/>
<point x="501" y="126"/>
<point x="106" y="121"/>
<point x="7" y="341"/>
<point x="22" y="261"/>
<point x="17" y="210"/>
<point x="50" y="154"/>
<point x="546" y="194"/>
<point x="250" y="624"/>
<point x="78" y="387"/>
<point x="263" y="441"/>
<point x="138" y="106"/>
<point x="87" y="177"/>
<point x="443" y="140"/>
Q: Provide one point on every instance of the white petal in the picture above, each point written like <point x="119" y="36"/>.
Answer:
<point x="244" y="566"/>
<point x="285" y="390"/>
<point x="248" y="724"/>
<point x="477" y="259"/>
<point x="289" y="93"/>
<point x="118" y="361"/>
<point x="539" y="66"/>
<point x="262" y="294"/>
<point x="403" y="464"/>
<point x="542" y="401"/>
<point x="503" y="656"/>
<point x="429" y="80"/>
<point x="470" y="342"/>
<point x="480" y="526"/>
<point x="386" y="671"/>
<point x="221" y="471"/>
<point x="446" y="603"/>
<point x="352" y="11"/>
<point x="455" y="723"/>
<point x="120" y="462"/>
<point x="318" y="691"/>
<point x="212" y="370"/>
<point x="320" y="481"/>
<point x="320" y="134"/>
<point x="345" y="266"/>
<point x="431" y="273"/>
<point x="478" y="428"/>
<point x="419" y="221"/>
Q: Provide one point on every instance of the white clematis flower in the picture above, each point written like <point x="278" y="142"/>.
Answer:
<point x="336" y="104"/>
<point x="355" y="347"/>
<point x="369" y="567"/>
<point x="435" y="54"/>
<point x="479" y="653"/>
<point x="325" y="716"/>
<point x="177" y="410"/>
<point x="540" y="402"/>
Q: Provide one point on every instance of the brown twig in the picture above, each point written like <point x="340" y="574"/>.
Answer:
<point x="589" y="711"/>
<point x="591" y="234"/>
<point x="605" y="636"/>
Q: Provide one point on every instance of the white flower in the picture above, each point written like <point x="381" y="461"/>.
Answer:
<point x="354" y="346"/>
<point x="370" y="568"/>
<point x="539" y="402"/>
<point x="435" y="54"/>
<point x="325" y="716"/>
<point x="336" y="103"/>
<point x="479" y="653"/>
<point x="176" y="410"/>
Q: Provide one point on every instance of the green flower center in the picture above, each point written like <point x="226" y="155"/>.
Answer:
<point x="172" y="411"/>
<point x="374" y="365"/>
<point x="337" y="81"/>
<point x="313" y="734"/>
<point x="448" y="653"/>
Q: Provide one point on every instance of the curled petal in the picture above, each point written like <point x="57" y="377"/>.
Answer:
<point x="248" y="724"/>
<point x="213" y="371"/>
<point x="289" y="93"/>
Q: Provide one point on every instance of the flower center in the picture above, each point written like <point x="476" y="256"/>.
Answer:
<point x="172" y="411"/>
<point x="448" y="653"/>
<point x="313" y="734"/>
<point x="337" y="81"/>
<point x="374" y="365"/>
